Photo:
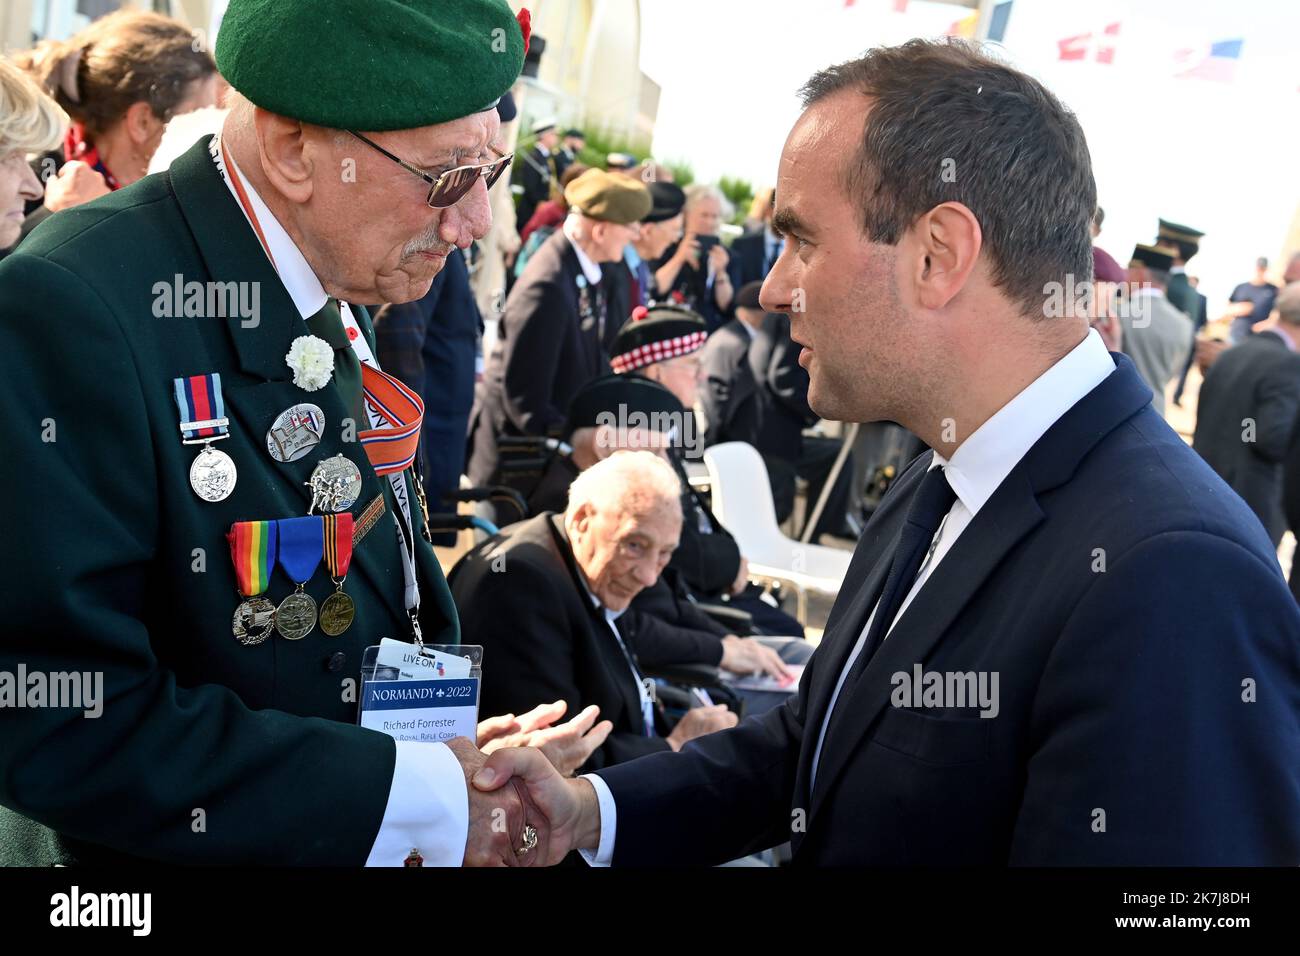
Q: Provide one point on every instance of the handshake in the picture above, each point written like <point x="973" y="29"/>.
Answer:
<point x="524" y="807"/>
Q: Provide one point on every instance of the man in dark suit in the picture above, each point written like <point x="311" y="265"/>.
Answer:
<point x="550" y="339"/>
<point x="754" y="253"/>
<point x="1062" y="640"/>
<point x="629" y="412"/>
<point x="546" y="598"/>
<point x="127" y="565"/>
<point x="1247" y="412"/>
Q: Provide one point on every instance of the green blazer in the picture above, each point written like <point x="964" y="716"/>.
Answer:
<point x="206" y="751"/>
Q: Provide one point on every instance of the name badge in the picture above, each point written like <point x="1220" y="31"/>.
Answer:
<point x="428" y="693"/>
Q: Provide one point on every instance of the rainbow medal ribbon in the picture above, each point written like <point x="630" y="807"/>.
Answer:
<point x="203" y="421"/>
<point x="252" y="549"/>
<point x="301" y="544"/>
<point x="337" y="610"/>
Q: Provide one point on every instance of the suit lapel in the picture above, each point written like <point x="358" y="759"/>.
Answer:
<point x="231" y="252"/>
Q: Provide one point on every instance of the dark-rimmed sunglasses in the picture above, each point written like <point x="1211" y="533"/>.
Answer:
<point x="450" y="187"/>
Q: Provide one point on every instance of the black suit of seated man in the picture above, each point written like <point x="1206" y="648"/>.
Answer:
<point x="546" y="598"/>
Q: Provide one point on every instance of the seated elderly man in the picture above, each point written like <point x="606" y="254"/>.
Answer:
<point x="627" y="412"/>
<point x="546" y="599"/>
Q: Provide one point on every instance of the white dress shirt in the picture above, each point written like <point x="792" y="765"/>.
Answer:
<point x="428" y="803"/>
<point x="979" y="465"/>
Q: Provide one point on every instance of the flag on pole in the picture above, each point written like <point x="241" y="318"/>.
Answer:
<point x="1099" y="47"/>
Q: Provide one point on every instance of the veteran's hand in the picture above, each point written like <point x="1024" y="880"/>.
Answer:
<point x="568" y="808"/>
<point x="497" y="819"/>
<point x="567" y="746"/>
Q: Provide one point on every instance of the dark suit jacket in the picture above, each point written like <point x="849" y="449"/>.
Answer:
<point x="1256" y="381"/>
<point x="782" y="389"/>
<point x="748" y="257"/>
<point x="431" y="345"/>
<point x="1120" y="692"/>
<point x="546" y="350"/>
<point x="521" y="597"/>
<point x="125" y="571"/>
<point x="730" y="396"/>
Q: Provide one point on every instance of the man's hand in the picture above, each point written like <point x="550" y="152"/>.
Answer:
<point x="569" y="807"/>
<point x="744" y="655"/>
<point x="74" y="184"/>
<point x="567" y="746"/>
<point x="496" y="820"/>
<point x="699" y="721"/>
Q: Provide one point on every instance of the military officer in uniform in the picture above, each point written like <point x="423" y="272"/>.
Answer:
<point x="1157" y="336"/>
<point x="183" y="385"/>
<point x="1183" y="242"/>
<point x="540" y="168"/>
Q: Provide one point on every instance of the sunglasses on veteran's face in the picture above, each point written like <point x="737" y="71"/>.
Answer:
<point x="450" y="187"/>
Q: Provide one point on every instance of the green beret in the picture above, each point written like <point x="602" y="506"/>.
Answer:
<point x="371" y="65"/>
<point x="608" y="197"/>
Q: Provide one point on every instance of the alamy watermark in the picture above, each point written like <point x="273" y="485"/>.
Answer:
<point x="635" y="430"/>
<point x="179" y="299"/>
<point x="60" y="690"/>
<point x="947" y="690"/>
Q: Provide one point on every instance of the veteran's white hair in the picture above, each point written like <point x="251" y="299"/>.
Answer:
<point x="628" y="482"/>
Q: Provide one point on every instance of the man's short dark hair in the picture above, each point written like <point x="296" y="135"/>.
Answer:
<point x="951" y="124"/>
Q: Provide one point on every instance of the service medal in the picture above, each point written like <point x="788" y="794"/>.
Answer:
<point x="295" y="432"/>
<point x="335" y="484"/>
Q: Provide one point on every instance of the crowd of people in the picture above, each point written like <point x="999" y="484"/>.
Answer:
<point x="615" y="610"/>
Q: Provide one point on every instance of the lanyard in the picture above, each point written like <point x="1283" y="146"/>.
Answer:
<point x="396" y="479"/>
<point x="643" y="695"/>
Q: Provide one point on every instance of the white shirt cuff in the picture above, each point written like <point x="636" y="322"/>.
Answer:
<point x="604" y="854"/>
<point x="428" y="808"/>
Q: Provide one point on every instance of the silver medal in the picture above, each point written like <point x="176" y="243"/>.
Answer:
<point x="335" y="484"/>
<point x="212" y="476"/>
<point x="253" y="621"/>
<point x="295" y="432"/>
<point x="296" y="616"/>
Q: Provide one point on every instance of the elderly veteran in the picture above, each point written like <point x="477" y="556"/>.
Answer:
<point x="555" y="320"/>
<point x="629" y="413"/>
<point x="546" y="599"/>
<point x="199" y="399"/>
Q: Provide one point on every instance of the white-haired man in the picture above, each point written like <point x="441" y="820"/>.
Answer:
<point x="546" y="598"/>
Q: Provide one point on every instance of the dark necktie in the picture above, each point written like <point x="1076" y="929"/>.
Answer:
<point x="327" y="324"/>
<point x="933" y="500"/>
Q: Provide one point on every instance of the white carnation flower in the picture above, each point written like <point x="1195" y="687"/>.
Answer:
<point x="312" y="361"/>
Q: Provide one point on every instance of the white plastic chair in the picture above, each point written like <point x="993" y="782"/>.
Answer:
<point x="742" y="501"/>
